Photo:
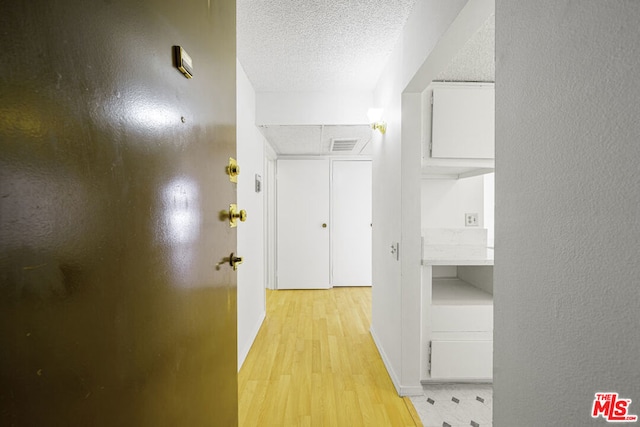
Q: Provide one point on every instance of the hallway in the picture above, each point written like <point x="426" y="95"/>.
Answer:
<point x="314" y="363"/>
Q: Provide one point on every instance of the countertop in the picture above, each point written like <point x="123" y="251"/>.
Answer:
<point x="457" y="255"/>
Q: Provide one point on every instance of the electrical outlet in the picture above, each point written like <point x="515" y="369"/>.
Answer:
<point x="471" y="220"/>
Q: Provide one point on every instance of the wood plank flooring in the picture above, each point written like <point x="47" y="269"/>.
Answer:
<point x="314" y="363"/>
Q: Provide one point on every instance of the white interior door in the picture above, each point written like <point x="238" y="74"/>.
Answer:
<point x="351" y="223"/>
<point x="302" y="209"/>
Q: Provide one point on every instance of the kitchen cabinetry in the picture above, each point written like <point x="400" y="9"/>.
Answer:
<point x="458" y="129"/>
<point x="461" y="344"/>
<point x="457" y="307"/>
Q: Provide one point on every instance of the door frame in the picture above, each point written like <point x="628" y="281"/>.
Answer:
<point x="270" y="217"/>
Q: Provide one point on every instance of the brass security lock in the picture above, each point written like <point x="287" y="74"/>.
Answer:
<point x="235" y="261"/>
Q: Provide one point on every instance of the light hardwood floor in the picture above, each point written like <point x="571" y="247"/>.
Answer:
<point x="314" y="363"/>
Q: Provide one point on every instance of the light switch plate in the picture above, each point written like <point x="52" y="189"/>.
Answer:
<point x="395" y="250"/>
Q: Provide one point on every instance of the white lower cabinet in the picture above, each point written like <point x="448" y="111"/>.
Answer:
<point x="458" y="329"/>
<point x="461" y="360"/>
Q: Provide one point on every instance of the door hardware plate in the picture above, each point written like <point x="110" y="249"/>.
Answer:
<point x="233" y="170"/>
<point x="235" y="215"/>
<point x="235" y="261"/>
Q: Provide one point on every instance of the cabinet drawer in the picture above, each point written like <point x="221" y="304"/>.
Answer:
<point x="458" y="360"/>
<point x="462" y="318"/>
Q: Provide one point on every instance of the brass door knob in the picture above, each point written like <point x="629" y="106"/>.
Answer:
<point x="324" y="225"/>
<point x="234" y="215"/>
<point x="235" y="261"/>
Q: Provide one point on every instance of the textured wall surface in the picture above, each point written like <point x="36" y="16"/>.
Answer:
<point x="567" y="292"/>
<point x="117" y="307"/>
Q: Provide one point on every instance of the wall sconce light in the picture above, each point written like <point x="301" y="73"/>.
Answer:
<point x="374" y="115"/>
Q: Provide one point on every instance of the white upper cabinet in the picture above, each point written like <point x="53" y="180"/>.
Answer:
<point x="458" y="129"/>
<point x="463" y="121"/>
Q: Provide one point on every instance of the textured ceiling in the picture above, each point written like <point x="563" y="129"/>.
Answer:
<point x="335" y="45"/>
<point x="317" y="45"/>
<point x="476" y="60"/>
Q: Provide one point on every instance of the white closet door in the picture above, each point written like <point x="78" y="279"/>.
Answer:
<point x="351" y="223"/>
<point x="303" y="208"/>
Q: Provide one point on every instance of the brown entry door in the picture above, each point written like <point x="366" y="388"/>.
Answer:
<point x="117" y="300"/>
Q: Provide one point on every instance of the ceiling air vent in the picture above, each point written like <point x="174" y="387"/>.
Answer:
<point x="343" y="145"/>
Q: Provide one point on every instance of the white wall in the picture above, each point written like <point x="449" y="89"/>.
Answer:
<point x="312" y="108"/>
<point x="567" y="290"/>
<point x="251" y="274"/>
<point x="386" y="325"/>
<point x="446" y="201"/>
<point x="396" y="200"/>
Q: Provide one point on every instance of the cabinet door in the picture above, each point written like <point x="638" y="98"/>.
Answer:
<point x="463" y="121"/>
<point x="302" y="209"/>
<point x="461" y="360"/>
<point x="351" y="223"/>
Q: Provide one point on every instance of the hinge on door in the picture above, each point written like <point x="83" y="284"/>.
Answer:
<point x="431" y="135"/>
<point x="429" y="359"/>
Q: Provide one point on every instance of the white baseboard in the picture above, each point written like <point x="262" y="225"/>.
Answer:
<point x="400" y="389"/>
<point x="411" y="391"/>
<point x="471" y="381"/>
<point x="385" y="360"/>
<point x="242" y="354"/>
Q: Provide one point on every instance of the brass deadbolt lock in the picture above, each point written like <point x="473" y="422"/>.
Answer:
<point x="233" y="170"/>
<point x="234" y="215"/>
<point x="235" y="261"/>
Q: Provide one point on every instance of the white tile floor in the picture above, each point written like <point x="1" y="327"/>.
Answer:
<point x="455" y="405"/>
